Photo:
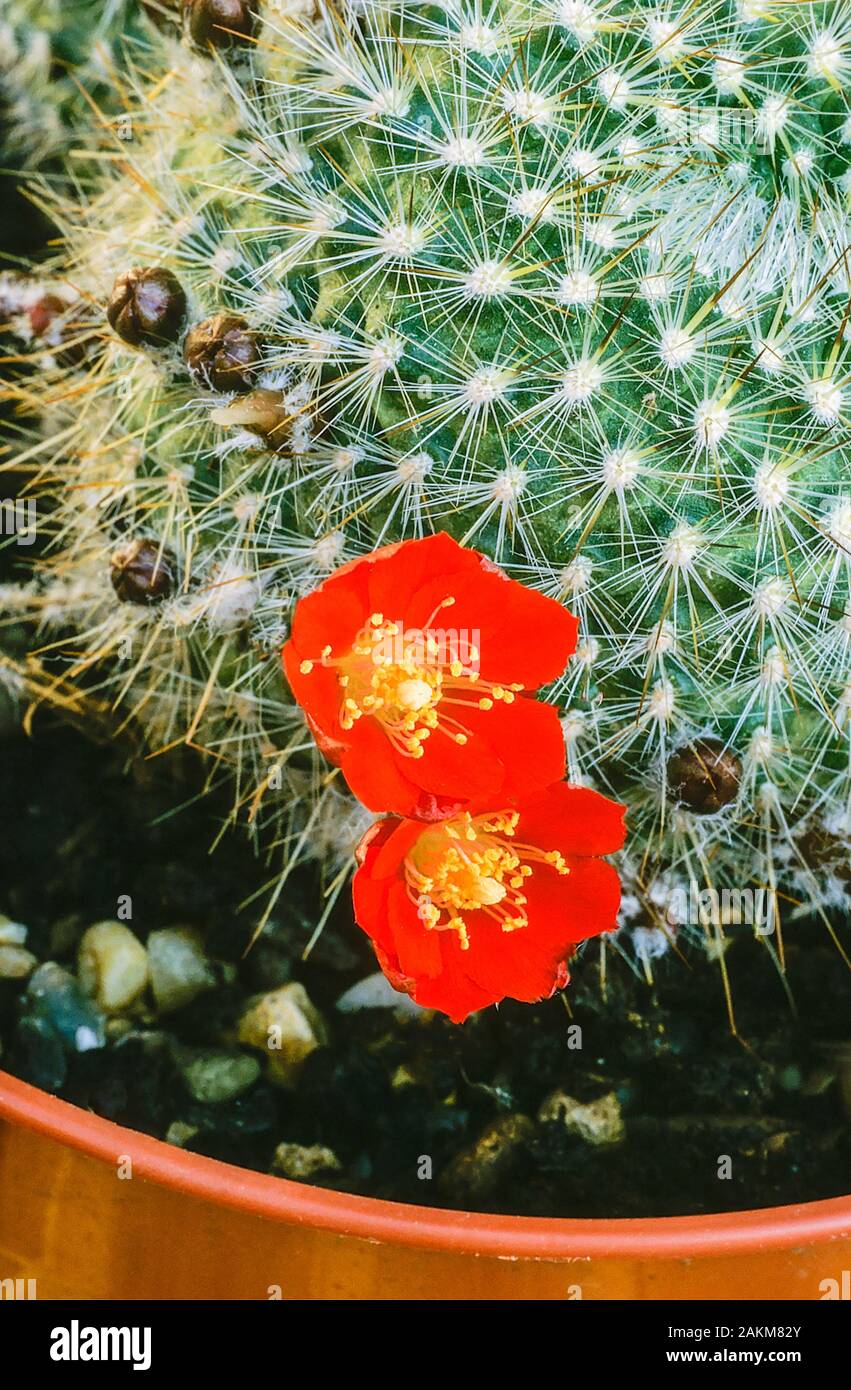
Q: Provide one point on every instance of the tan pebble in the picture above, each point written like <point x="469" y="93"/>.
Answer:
<point x="301" y="1163"/>
<point x="286" y="1026"/>
<point x="16" y="963"/>
<point x="112" y="966"/>
<point x="180" y="969"/>
<point x="599" y="1122"/>
<point x="476" y="1171"/>
<point x="180" y="1134"/>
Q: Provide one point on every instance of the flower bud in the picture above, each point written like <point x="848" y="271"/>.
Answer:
<point x="261" y="412"/>
<point x="220" y="22"/>
<point x="222" y="352"/>
<point x="147" y="305"/>
<point x="142" y="572"/>
<point x="704" y="775"/>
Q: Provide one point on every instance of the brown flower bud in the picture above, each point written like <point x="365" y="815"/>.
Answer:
<point x="704" y="775"/>
<point x="147" y="305"/>
<point x="220" y="22"/>
<point x="143" y="572"/>
<point x="222" y="352"/>
<point x="261" y="412"/>
<point x="819" y="849"/>
<point x="43" y="312"/>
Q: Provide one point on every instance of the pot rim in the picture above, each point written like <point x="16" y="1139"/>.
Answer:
<point x="460" y="1232"/>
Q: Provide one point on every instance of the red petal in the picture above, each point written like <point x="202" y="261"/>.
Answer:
<point x="374" y="772"/>
<point x="452" y="991"/>
<point x="525" y="738"/>
<point x="466" y="771"/>
<point x="398" y="571"/>
<point x="574" y="820"/>
<point x="564" y="909"/>
<point x="417" y="948"/>
<point x="524" y="637"/>
<point x="318" y="693"/>
<point x="332" y="615"/>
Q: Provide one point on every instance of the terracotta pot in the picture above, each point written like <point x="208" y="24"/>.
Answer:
<point x="89" y="1209"/>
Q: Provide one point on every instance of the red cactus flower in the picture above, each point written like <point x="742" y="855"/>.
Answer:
<point x="489" y="905"/>
<point x="412" y="664"/>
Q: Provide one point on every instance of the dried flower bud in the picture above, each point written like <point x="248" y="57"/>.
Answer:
<point x="147" y="305"/>
<point x="222" y="352"/>
<point x="821" y="850"/>
<point x="143" y="572"/>
<point x="704" y="775"/>
<point x="43" y="312"/>
<point x="262" y="413"/>
<point x="221" y="22"/>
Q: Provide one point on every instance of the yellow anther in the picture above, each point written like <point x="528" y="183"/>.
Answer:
<point x="485" y="703"/>
<point x="306" y="667"/>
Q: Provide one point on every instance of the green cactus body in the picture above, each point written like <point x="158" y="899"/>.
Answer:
<point x="569" y="282"/>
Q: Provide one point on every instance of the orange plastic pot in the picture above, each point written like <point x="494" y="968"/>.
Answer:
<point x="89" y="1209"/>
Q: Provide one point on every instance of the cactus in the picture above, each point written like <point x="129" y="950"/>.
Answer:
<point x="568" y="281"/>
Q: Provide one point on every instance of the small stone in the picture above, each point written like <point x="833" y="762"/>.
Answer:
<point x="301" y="1163"/>
<point x="376" y="992"/>
<point x="16" y="963"/>
<point x="213" y="1077"/>
<point x="112" y="966"/>
<point x="476" y="1172"/>
<point x="704" y="775"/>
<point x="56" y="999"/>
<point x="12" y="933"/>
<point x="147" y="306"/>
<point x="818" y="1081"/>
<point x="179" y="967"/>
<point x="286" y="1027"/>
<point x="598" y="1123"/>
<point x="118" y="1028"/>
<point x="790" y="1079"/>
<point x="776" y="1145"/>
<point x="180" y="1134"/>
<point x="402" y="1078"/>
<point x="210" y="20"/>
<point x="839" y="1055"/>
<point x="37" y="1055"/>
<point x="142" y="572"/>
<point x="223" y="353"/>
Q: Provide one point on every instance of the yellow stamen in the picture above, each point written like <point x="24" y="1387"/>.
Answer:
<point x="474" y="864"/>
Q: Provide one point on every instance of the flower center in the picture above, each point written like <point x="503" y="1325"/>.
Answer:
<point x="473" y="864"/>
<point x="410" y="681"/>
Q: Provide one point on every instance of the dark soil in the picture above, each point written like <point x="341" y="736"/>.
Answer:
<point x="416" y="1109"/>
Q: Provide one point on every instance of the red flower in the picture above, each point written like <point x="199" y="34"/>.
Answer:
<point x="489" y="905"/>
<point x="425" y="718"/>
